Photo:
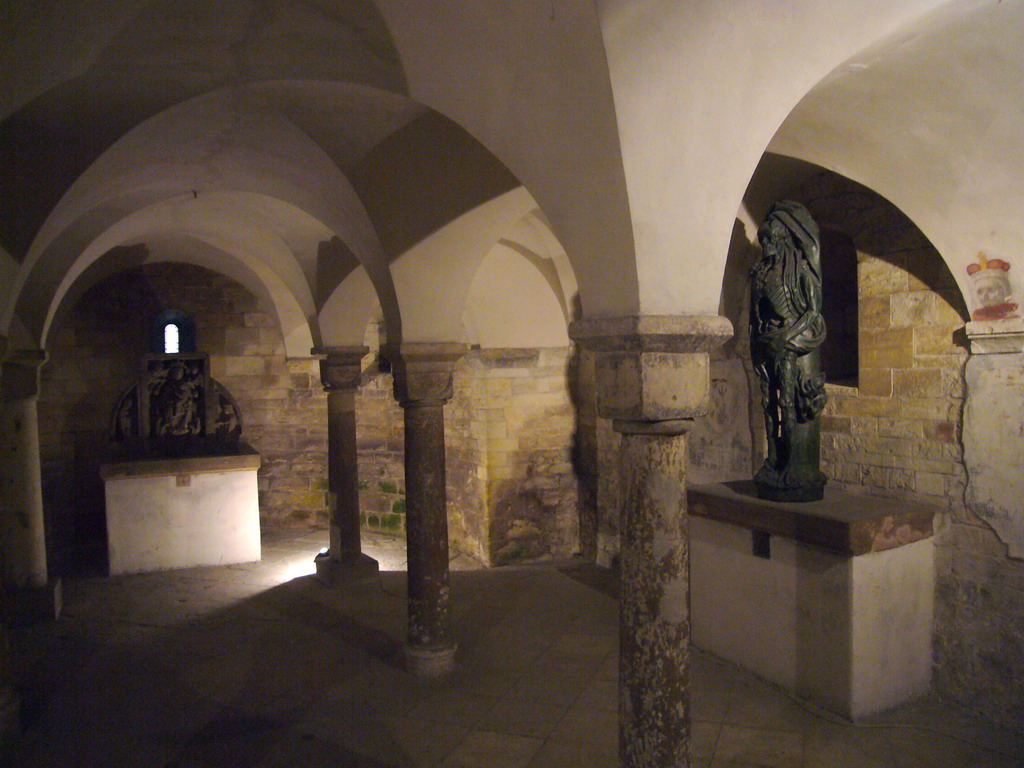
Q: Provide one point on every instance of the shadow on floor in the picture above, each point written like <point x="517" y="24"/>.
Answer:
<point x="254" y="666"/>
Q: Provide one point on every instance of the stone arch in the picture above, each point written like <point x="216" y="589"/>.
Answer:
<point x="516" y="299"/>
<point x="923" y="118"/>
<point x="673" y="132"/>
<point x="148" y="166"/>
<point x="557" y="136"/>
<point x="177" y="230"/>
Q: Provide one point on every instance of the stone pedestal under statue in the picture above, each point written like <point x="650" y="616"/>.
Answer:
<point x="831" y="599"/>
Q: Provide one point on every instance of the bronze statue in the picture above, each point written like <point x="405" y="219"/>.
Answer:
<point x="786" y="331"/>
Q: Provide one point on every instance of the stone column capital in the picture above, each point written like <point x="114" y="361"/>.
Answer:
<point x="652" y="368"/>
<point x="341" y="367"/>
<point x="21" y="373"/>
<point x="423" y="372"/>
<point x="996" y="337"/>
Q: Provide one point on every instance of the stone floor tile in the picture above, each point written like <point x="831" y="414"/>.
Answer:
<point x="594" y="647"/>
<point x="600" y="694"/>
<point x="848" y="747"/>
<point x="709" y="702"/>
<point x="759" y="704"/>
<point x="258" y="665"/>
<point x="571" y="673"/>
<point x="593" y="724"/>
<point x="454" y="707"/>
<point x="575" y="754"/>
<point x="541" y="691"/>
<point x="609" y="669"/>
<point x="927" y="748"/>
<point x="486" y="749"/>
<point x="73" y="747"/>
<point x="522" y="717"/>
<point x="932" y="713"/>
<point x="350" y="732"/>
<point x="703" y="739"/>
<point x="426" y="744"/>
<point x="480" y="680"/>
<point x="758" y="746"/>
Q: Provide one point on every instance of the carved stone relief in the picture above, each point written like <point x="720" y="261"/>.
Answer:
<point x="176" y="407"/>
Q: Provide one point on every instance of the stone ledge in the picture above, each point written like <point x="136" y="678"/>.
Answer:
<point x="186" y="465"/>
<point x="841" y="522"/>
<point x="652" y="333"/>
<point x="995" y="337"/>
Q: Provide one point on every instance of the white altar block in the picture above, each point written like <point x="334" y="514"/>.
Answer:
<point x="836" y="604"/>
<point x="182" y="512"/>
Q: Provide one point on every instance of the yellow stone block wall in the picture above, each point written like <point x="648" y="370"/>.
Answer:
<point x="896" y="432"/>
<point x="899" y="433"/>
<point x="380" y="436"/>
<point x="509" y="437"/>
<point x="526" y="423"/>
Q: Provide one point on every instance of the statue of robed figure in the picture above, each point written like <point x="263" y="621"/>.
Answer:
<point x="786" y="331"/>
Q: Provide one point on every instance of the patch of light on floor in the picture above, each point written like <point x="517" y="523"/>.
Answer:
<point x="297" y="566"/>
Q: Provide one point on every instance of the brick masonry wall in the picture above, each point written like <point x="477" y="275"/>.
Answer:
<point x="529" y="421"/>
<point x="465" y="433"/>
<point x="896" y="432"/>
<point x="512" y="490"/>
<point x="95" y="353"/>
<point x="380" y="436"/>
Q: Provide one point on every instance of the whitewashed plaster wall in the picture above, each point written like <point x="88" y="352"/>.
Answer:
<point x="635" y="125"/>
<point x="893" y="118"/>
<point x="993" y="436"/>
<point x="510" y="304"/>
<point x="677" y="127"/>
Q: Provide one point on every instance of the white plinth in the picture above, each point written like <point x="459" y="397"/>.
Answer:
<point x="851" y="633"/>
<point x="179" y="513"/>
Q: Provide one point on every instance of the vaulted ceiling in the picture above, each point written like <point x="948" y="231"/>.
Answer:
<point x="349" y="158"/>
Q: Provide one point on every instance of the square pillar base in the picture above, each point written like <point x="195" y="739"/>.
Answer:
<point x="10" y="716"/>
<point x="354" y="569"/>
<point x="33" y="604"/>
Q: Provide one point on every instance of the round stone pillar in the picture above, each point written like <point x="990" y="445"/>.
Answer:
<point x="423" y="384"/>
<point x="654" y="602"/>
<point x="653" y="378"/>
<point x="10" y="706"/>
<point x="344" y="560"/>
<point x="22" y="529"/>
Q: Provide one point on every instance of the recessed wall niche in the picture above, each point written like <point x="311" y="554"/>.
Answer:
<point x="95" y="351"/>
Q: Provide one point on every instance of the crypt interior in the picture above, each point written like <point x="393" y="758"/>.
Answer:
<point x="377" y="385"/>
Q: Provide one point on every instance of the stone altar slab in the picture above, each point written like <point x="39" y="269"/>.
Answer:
<point x="832" y="600"/>
<point x="165" y="513"/>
